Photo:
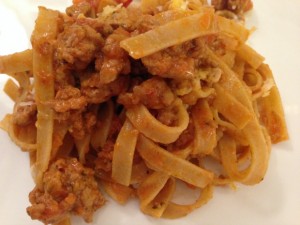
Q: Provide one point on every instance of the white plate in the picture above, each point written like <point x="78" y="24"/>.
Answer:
<point x="275" y="201"/>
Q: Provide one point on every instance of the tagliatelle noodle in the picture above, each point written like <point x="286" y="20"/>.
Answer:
<point x="271" y="110"/>
<point x="162" y="160"/>
<point x="175" y="210"/>
<point x="45" y="32"/>
<point x="155" y="192"/>
<point x="123" y="154"/>
<point x="17" y="62"/>
<point x="147" y="124"/>
<point x="100" y="134"/>
<point x="170" y="34"/>
<point x="205" y="129"/>
<point x="7" y="125"/>
<point x="260" y="148"/>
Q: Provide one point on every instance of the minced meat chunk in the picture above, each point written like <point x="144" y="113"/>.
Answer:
<point x="115" y="60"/>
<point x="75" y="10"/>
<point x="236" y="6"/>
<point x="25" y="111"/>
<point x="77" y="45"/>
<point x="154" y="93"/>
<point x="169" y="65"/>
<point x="103" y="163"/>
<point x="82" y="124"/>
<point x="68" y="98"/>
<point x="96" y="92"/>
<point x="68" y="188"/>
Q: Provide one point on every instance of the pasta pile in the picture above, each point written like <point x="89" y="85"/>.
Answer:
<point x="137" y="98"/>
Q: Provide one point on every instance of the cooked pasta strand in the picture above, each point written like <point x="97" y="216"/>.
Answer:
<point x="124" y="153"/>
<point x="162" y="160"/>
<point x="11" y="89"/>
<point x="16" y="62"/>
<point x="170" y="34"/>
<point x="147" y="124"/>
<point x="235" y="111"/>
<point x="44" y="34"/>
<point x="175" y="210"/>
<point x="271" y="110"/>
<point x="250" y="56"/>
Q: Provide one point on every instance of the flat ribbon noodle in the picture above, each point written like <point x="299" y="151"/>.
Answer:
<point x="175" y="210"/>
<point x="271" y="110"/>
<point x="16" y="62"/>
<point x="164" y="161"/>
<point x="170" y="34"/>
<point x="123" y="153"/>
<point x="229" y="158"/>
<point x="147" y="124"/>
<point x="7" y="125"/>
<point x="205" y="138"/>
<point x="155" y="192"/>
<point x="44" y="33"/>
<point x="118" y="192"/>
<point x="252" y="130"/>
<point x="231" y="108"/>
<point x="100" y="133"/>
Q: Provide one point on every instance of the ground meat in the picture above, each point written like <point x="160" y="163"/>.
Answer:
<point x="77" y="128"/>
<point x="154" y="93"/>
<point x="80" y="8"/>
<point x="77" y="45"/>
<point x="115" y="60"/>
<point x="162" y="64"/>
<point x="104" y="158"/>
<point x="68" y="188"/>
<point x="81" y="123"/>
<point x="25" y="111"/>
<point x="71" y="107"/>
<point x="167" y="116"/>
<point x="186" y="137"/>
<point x="127" y="18"/>
<point x="236" y="6"/>
<point x="68" y="98"/>
<point x="90" y="119"/>
<point x="103" y="163"/>
<point x="96" y="93"/>
<point x="219" y="4"/>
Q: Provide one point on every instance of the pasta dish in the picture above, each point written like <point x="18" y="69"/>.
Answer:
<point x="135" y="98"/>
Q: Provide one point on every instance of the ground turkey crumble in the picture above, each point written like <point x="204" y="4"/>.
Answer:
<point x="68" y="188"/>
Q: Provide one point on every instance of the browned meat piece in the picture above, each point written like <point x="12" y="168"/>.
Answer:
<point x="130" y="19"/>
<point x="76" y="122"/>
<point x="170" y="65"/>
<point x="25" y="111"/>
<point x="239" y="6"/>
<point x="104" y="158"/>
<point x="103" y="163"/>
<point x="80" y="8"/>
<point x="219" y="4"/>
<point x="154" y="93"/>
<point x="185" y="138"/>
<point x="96" y="93"/>
<point x="68" y="188"/>
<point x="112" y="47"/>
<point x="236" y="6"/>
<point x="167" y="116"/>
<point x="68" y="98"/>
<point x="81" y="124"/>
<point x="77" y="45"/>
<point x="72" y="108"/>
<point x="115" y="59"/>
